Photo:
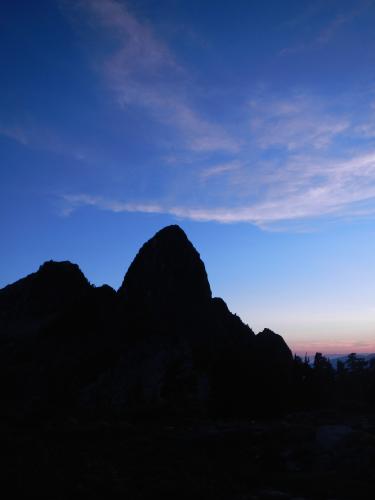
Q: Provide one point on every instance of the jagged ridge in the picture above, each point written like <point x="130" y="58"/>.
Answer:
<point x="160" y="343"/>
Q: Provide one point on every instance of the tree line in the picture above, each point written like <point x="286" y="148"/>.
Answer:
<point x="348" y="386"/>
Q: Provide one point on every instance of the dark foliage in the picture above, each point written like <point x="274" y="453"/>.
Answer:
<point x="349" y="386"/>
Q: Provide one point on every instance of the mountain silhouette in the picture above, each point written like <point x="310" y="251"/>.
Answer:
<point x="160" y="344"/>
<point x="31" y="302"/>
<point x="171" y="269"/>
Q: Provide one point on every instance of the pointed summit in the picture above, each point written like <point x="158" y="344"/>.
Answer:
<point x="160" y="342"/>
<point x="166" y="275"/>
<point x="174" y="231"/>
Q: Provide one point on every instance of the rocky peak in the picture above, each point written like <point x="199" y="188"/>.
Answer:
<point x="61" y="274"/>
<point x="273" y="344"/>
<point x="166" y="274"/>
<point x="51" y="288"/>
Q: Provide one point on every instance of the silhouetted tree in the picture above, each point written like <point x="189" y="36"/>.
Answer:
<point x="355" y="364"/>
<point x="301" y="382"/>
<point x="322" y="380"/>
<point x="356" y="380"/>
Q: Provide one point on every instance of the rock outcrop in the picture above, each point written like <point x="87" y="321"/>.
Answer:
<point x="32" y="302"/>
<point x="160" y="344"/>
<point x="166" y="275"/>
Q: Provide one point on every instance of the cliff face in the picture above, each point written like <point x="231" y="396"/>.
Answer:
<point x="161" y="343"/>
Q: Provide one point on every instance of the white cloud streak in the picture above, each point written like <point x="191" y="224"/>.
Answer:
<point x="344" y="185"/>
<point x="291" y="161"/>
<point x="294" y="123"/>
<point x="142" y="71"/>
<point x="220" y="169"/>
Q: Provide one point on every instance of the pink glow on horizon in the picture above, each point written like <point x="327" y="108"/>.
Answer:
<point x="332" y="347"/>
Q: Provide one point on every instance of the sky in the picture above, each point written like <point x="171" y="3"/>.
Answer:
<point x="251" y="124"/>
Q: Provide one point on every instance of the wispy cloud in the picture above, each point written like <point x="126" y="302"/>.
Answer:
<point x="327" y="33"/>
<point x="220" y="169"/>
<point x="30" y="134"/>
<point x="299" y="191"/>
<point x="142" y="70"/>
<point x="16" y="133"/>
<point x="330" y="30"/>
<point x="366" y="129"/>
<point x="294" y="123"/>
<point x="295" y="157"/>
<point x="75" y="201"/>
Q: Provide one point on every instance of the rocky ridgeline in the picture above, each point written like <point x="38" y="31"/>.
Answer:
<point x="160" y="344"/>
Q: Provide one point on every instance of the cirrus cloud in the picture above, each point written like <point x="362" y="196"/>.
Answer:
<point x="334" y="188"/>
<point x="142" y="71"/>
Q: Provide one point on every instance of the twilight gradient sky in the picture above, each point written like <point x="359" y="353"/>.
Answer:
<point x="249" y="123"/>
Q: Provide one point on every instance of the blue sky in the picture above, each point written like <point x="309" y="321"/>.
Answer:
<point x="251" y="124"/>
